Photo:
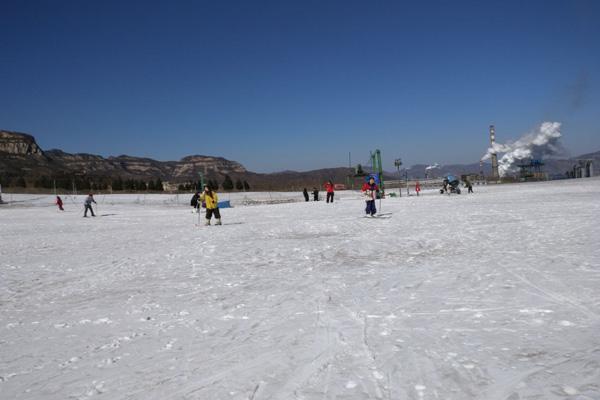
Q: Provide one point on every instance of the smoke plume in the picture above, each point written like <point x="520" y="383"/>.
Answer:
<point x="542" y="142"/>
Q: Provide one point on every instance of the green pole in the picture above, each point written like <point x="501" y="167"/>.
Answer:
<point x="380" y="170"/>
<point x="201" y="182"/>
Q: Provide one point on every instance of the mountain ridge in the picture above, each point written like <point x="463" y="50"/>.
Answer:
<point x="22" y="158"/>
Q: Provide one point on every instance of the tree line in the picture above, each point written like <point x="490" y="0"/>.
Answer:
<point x="213" y="184"/>
<point x="69" y="183"/>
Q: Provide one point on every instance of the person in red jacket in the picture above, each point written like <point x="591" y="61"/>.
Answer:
<point x="59" y="203"/>
<point x="417" y="188"/>
<point x="370" y="190"/>
<point x="329" y="187"/>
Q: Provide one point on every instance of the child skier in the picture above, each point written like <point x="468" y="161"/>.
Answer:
<point x="88" y="205"/>
<point x="211" y="200"/>
<point x="59" y="203"/>
<point x="417" y="188"/>
<point x="305" y="193"/>
<point x="370" y="190"/>
<point x="195" y="203"/>
<point x="329" y="188"/>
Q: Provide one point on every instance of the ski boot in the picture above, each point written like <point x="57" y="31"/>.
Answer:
<point x="218" y="222"/>
<point x="207" y="222"/>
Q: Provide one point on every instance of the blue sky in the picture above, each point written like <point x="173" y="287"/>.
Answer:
<point x="298" y="85"/>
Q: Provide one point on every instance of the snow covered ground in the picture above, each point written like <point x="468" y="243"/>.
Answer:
<point x="494" y="295"/>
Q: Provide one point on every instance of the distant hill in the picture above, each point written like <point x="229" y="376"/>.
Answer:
<point x="21" y="159"/>
<point x="23" y="162"/>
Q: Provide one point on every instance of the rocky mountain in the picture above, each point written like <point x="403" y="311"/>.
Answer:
<point x="18" y="144"/>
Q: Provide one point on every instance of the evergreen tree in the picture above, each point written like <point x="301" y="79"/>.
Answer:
<point x="117" y="184"/>
<point x="359" y="171"/>
<point x="213" y="184"/>
<point x="43" y="182"/>
<point x="227" y="183"/>
<point x="239" y="185"/>
<point x="63" y="183"/>
<point x="20" y="182"/>
<point x="158" y="185"/>
<point x="246" y="186"/>
<point x="151" y="185"/>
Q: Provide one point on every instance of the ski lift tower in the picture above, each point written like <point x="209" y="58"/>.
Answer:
<point x="201" y="188"/>
<point x="397" y="164"/>
<point x="376" y="166"/>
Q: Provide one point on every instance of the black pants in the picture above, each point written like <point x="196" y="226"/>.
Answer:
<point x="211" y="211"/>
<point x="88" y="207"/>
<point x="371" y="209"/>
<point x="329" y="197"/>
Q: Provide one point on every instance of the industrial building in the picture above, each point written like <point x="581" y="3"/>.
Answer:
<point x="532" y="170"/>
<point x="583" y="169"/>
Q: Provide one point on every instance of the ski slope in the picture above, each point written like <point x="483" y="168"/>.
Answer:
<point x="494" y="295"/>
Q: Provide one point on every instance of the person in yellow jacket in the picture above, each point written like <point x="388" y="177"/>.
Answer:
<point x="211" y="200"/>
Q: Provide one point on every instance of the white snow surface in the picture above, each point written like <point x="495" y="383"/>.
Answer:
<point x="492" y="295"/>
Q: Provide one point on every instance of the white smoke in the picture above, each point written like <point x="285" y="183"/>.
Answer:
<point x="542" y="142"/>
<point x="434" y="166"/>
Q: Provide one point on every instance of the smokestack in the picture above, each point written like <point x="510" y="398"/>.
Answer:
<point x="481" y="176"/>
<point x="495" y="174"/>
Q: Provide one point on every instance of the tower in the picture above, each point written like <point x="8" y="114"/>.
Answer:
<point x="481" y="175"/>
<point x="495" y="174"/>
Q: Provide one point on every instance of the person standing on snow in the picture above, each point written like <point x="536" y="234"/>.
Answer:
<point x="195" y="203"/>
<point x="329" y="188"/>
<point x="417" y="188"/>
<point x="88" y="205"/>
<point x="305" y="193"/>
<point x="370" y="190"/>
<point x="469" y="186"/>
<point x="211" y="200"/>
<point x="315" y="194"/>
<point x="59" y="203"/>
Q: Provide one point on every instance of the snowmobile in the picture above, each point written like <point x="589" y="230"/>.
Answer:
<point x="451" y="185"/>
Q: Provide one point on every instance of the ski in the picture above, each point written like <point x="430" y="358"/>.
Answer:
<point x="380" y="216"/>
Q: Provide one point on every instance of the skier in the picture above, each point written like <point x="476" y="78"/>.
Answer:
<point x="444" y="188"/>
<point x="469" y="186"/>
<point x="211" y="200"/>
<point x="88" y="205"/>
<point x="195" y="203"/>
<point x="329" y="188"/>
<point x="305" y="193"/>
<point x="417" y="188"/>
<point x="315" y="194"/>
<point x="59" y="203"/>
<point x="370" y="190"/>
